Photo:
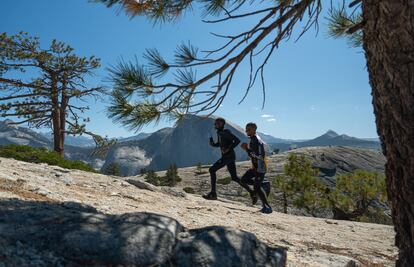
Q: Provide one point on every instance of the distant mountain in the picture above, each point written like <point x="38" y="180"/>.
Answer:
<point x="137" y="137"/>
<point x="79" y="141"/>
<point x="330" y="138"/>
<point x="185" y="145"/>
<point x="269" y="139"/>
<point x="83" y="141"/>
<point x="13" y="134"/>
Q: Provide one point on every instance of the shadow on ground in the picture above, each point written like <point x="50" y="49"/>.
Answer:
<point x="38" y="233"/>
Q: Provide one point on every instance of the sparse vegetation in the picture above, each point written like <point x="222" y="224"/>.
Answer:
<point x="152" y="178"/>
<point x="171" y="177"/>
<point x="352" y="198"/>
<point x="41" y="155"/>
<point x="299" y="185"/>
<point x="355" y="193"/>
<point x="113" y="169"/>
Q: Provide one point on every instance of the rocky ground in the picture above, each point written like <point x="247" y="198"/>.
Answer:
<point x="26" y="187"/>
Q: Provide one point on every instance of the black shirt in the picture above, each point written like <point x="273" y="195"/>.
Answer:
<point x="226" y="141"/>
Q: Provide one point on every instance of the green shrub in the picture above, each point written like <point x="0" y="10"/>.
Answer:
<point x="41" y="155"/>
<point x="352" y="198"/>
<point x="152" y="178"/>
<point x="354" y="194"/>
<point x="189" y="190"/>
<point x="171" y="177"/>
<point x="224" y="181"/>
<point x="112" y="169"/>
<point x="299" y="185"/>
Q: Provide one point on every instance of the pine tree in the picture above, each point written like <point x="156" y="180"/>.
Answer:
<point x="299" y="185"/>
<point x="42" y="87"/>
<point x="352" y="197"/>
<point x="355" y="192"/>
<point x="152" y="178"/>
<point x="113" y="169"/>
<point x="171" y="177"/>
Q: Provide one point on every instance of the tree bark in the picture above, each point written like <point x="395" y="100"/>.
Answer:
<point x="389" y="49"/>
<point x="58" y="137"/>
<point x="58" y="133"/>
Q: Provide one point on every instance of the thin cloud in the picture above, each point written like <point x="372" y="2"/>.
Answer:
<point x="267" y="116"/>
<point x="271" y="120"/>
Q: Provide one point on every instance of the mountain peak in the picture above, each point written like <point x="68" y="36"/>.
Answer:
<point x="331" y="133"/>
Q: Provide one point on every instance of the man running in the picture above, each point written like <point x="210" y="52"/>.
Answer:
<point x="257" y="154"/>
<point x="227" y="142"/>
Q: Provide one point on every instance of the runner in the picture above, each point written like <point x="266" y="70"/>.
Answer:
<point x="227" y="142"/>
<point x="255" y="150"/>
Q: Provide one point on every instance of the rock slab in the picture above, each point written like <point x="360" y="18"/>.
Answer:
<point x="69" y="234"/>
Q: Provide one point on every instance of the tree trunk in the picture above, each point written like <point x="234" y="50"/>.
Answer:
<point x="285" y="203"/>
<point x="389" y="49"/>
<point x="58" y="137"/>
<point x="62" y="114"/>
<point x="58" y="132"/>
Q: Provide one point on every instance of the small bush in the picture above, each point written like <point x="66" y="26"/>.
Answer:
<point x="152" y="178"/>
<point x="224" y="181"/>
<point x="171" y="177"/>
<point x="189" y="190"/>
<point x="112" y="169"/>
<point x="42" y="155"/>
<point x="299" y="186"/>
<point x="353" y="197"/>
<point x="355" y="193"/>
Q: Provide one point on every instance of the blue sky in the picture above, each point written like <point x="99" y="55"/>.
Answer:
<point x="313" y="85"/>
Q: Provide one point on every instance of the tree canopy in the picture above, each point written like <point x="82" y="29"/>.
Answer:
<point x="144" y="93"/>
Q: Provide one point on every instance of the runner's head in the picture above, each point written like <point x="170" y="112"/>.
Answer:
<point x="219" y="123"/>
<point x="251" y="128"/>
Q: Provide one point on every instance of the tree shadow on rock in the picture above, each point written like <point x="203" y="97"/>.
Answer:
<point x="218" y="246"/>
<point x="35" y="233"/>
<point x="76" y="234"/>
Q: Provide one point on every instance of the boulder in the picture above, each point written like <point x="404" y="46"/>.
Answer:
<point x="73" y="234"/>
<point x="218" y="246"/>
